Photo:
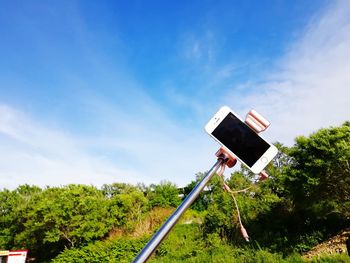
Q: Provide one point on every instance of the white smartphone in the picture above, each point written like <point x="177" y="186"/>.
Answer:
<point x="240" y="140"/>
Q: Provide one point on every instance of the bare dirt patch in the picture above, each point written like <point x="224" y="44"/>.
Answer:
<point x="334" y="245"/>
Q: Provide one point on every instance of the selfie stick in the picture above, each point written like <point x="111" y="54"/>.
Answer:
<point x="257" y="123"/>
<point x="151" y="246"/>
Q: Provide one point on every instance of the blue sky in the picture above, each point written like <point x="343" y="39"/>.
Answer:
<point x="101" y="91"/>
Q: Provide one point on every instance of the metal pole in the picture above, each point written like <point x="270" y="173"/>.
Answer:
<point x="151" y="246"/>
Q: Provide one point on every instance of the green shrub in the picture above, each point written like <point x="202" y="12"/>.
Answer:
<point x="119" y="250"/>
<point x="339" y="258"/>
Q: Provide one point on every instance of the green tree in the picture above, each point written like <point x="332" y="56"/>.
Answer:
<point x="64" y="217"/>
<point x="321" y="167"/>
<point x="13" y="205"/>
<point x="312" y="181"/>
<point x="110" y="190"/>
<point x="318" y="181"/>
<point x="9" y="202"/>
<point x="127" y="209"/>
<point x="164" y="194"/>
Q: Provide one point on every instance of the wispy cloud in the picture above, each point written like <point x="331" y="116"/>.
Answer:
<point x="35" y="153"/>
<point x="311" y="88"/>
<point x="199" y="47"/>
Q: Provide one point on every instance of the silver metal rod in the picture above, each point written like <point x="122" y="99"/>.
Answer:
<point x="157" y="238"/>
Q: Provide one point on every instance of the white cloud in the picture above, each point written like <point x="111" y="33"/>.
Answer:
<point x="199" y="47"/>
<point x="311" y="89"/>
<point x="145" y="149"/>
<point x="148" y="140"/>
<point x="34" y="154"/>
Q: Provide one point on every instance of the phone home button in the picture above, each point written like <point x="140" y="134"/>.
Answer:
<point x="264" y="159"/>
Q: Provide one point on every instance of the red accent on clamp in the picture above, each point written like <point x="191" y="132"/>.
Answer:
<point x="229" y="159"/>
<point x="263" y="176"/>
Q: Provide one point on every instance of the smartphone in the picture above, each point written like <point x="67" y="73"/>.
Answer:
<point x="240" y="140"/>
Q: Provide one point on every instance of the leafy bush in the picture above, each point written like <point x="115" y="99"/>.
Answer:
<point x="119" y="250"/>
<point x="164" y="194"/>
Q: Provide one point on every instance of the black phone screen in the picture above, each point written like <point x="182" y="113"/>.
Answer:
<point x="240" y="139"/>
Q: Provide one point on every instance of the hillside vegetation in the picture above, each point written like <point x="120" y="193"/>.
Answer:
<point x="305" y="201"/>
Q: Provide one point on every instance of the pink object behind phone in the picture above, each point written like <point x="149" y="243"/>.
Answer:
<point x="257" y="122"/>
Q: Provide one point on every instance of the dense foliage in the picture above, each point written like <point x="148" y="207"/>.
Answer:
<point x="306" y="200"/>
